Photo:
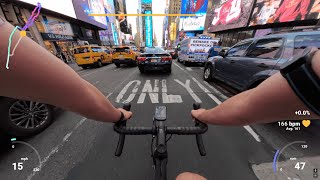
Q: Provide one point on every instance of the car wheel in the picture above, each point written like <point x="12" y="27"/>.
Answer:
<point x="24" y="118"/>
<point x="117" y="64"/>
<point x="84" y="67"/>
<point x="99" y="64"/>
<point x="178" y="59"/>
<point x="208" y="74"/>
<point x="141" y="69"/>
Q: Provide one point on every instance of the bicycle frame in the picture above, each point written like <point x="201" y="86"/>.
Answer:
<point x="160" y="154"/>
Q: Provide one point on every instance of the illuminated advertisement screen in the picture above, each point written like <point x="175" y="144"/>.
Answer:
<point x="274" y="11"/>
<point x="148" y="26"/>
<point x="109" y="8"/>
<point x="146" y="1"/>
<point x="64" y="7"/>
<point x="228" y="14"/>
<point x="198" y="7"/>
<point x="85" y="7"/>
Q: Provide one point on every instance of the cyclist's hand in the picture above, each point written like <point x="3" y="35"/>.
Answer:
<point x="196" y="113"/>
<point x="127" y="114"/>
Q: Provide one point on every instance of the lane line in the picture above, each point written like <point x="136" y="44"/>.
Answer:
<point x="189" y="69"/>
<point x="224" y="97"/>
<point x="254" y="134"/>
<point x="248" y="128"/>
<point x="214" y="98"/>
<point x="65" y="139"/>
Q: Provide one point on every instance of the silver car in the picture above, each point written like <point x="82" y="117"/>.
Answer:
<point x="251" y="61"/>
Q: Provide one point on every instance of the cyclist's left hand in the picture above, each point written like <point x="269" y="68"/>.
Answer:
<point x="127" y="114"/>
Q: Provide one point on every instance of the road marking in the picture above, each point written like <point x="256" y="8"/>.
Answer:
<point x="180" y="68"/>
<point x="65" y="139"/>
<point x="216" y="91"/>
<point x="169" y="98"/>
<point x="255" y="135"/>
<point x="189" y="69"/>
<point x="190" y="91"/>
<point x="202" y="68"/>
<point x="124" y="90"/>
<point x="153" y="94"/>
<point x="248" y="128"/>
<point x="215" y="99"/>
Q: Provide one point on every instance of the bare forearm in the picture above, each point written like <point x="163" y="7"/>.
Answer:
<point x="35" y="74"/>
<point x="273" y="100"/>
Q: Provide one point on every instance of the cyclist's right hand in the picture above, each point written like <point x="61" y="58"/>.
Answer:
<point x="127" y="114"/>
<point x="196" y="113"/>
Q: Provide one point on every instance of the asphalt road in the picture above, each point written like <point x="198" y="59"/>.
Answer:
<point x="74" y="147"/>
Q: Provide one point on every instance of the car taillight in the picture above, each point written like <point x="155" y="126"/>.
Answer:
<point x="167" y="58"/>
<point x="141" y="58"/>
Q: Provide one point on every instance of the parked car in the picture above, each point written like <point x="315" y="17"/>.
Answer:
<point x="87" y="56"/>
<point x="173" y="53"/>
<point x="251" y="61"/>
<point x="24" y="118"/>
<point x="125" y="55"/>
<point x="154" y="59"/>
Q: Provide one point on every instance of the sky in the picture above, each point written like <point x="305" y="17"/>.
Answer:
<point x="158" y="7"/>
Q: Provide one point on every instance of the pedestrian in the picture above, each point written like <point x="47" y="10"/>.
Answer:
<point x="215" y="49"/>
<point x="63" y="57"/>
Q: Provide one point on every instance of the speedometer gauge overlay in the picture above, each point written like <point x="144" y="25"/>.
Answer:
<point x="24" y="160"/>
<point x="295" y="167"/>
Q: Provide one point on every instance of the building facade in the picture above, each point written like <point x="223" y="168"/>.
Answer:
<point x="254" y="18"/>
<point x="60" y="30"/>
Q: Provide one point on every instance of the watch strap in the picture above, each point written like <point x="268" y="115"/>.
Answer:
<point x="306" y="84"/>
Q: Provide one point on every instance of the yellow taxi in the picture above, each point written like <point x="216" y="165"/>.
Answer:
<point x="125" y="55"/>
<point x="90" y="55"/>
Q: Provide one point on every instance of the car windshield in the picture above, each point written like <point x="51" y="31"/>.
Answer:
<point x="81" y="50"/>
<point x="154" y="51"/>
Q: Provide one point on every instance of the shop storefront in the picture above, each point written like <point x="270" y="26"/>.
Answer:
<point x="57" y="34"/>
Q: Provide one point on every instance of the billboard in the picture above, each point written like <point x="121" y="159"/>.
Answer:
<point x="274" y="11"/>
<point x="109" y="8"/>
<point x="85" y="7"/>
<point x="148" y="26"/>
<point x="228" y="14"/>
<point x="146" y="1"/>
<point x="198" y="7"/>
<point x="64" y="7"/>
<point x="56" y="26"/>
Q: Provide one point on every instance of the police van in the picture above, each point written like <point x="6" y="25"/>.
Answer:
<point x="195" y="49"/>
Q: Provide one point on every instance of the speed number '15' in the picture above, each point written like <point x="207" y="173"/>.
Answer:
<point x="17" y="166"/>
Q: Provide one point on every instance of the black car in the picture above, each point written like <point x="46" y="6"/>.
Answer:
<point x="24" y="118"/>
<point x="154" y="59"/>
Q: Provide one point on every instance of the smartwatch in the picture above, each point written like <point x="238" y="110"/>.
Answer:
<point x="302" y="78"/>
<point x="121" y="118"/>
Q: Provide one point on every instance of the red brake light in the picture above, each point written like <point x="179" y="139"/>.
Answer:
<point x="141" y="58"/>
<point x="166" y="58"/>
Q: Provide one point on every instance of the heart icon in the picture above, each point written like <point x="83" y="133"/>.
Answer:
<point x="306" y="123"/>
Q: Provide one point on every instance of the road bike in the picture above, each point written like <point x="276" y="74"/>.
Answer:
<point x="159" y="131"/>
